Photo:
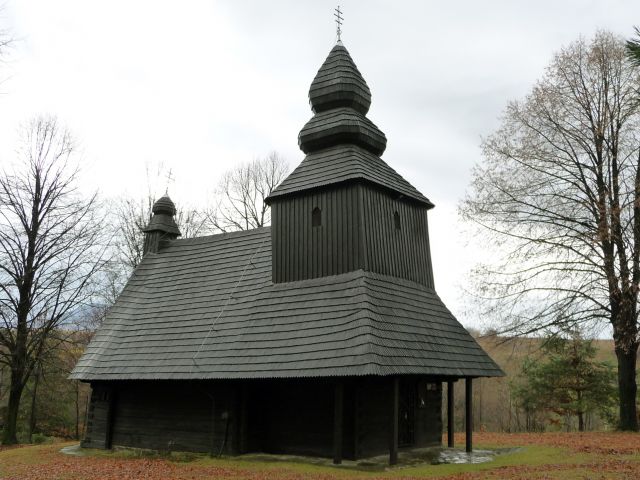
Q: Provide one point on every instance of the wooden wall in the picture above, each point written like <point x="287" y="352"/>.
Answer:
<point x="301" y="251"/>
<point x="296" y="417"/>
<point x="272" y="416"/>
<point x="373" y="410"/>
<point x="165" y="416"/>
<point x="403" y="252"/>
<point x="357" y="232"/>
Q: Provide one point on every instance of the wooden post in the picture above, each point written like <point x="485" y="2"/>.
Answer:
<point x="395" y="413"/>
<point x="244" y="418"/>
<point x="469" y="414"/>
<point x="338" y="422"/>
<point x="212" y="452"/>
<point x="450" y="414"/>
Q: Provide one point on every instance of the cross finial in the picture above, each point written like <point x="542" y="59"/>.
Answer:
<point x="170" y="178"/>
<point x="339" y="20"/>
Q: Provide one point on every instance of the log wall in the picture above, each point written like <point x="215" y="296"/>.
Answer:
<point x="271" y="416"/>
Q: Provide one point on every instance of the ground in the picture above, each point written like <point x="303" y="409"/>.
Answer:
<point x="542" y="456"/>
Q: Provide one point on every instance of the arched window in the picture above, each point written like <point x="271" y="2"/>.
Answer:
<point x="316" y="217"/>
<point x="396" y="220"/>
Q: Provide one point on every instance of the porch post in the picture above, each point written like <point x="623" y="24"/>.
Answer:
<point x="244" y="418"/>
<point x="395" y="412"/>
<point x="450" y="414"/>
<point x="469" y="413"/>
<point x="338" y="422"/>
<point x="212" y="452"/>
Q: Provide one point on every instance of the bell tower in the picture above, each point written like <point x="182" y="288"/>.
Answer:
<point x="343" y="208"/>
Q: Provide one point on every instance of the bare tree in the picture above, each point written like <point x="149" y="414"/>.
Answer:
<point x="51" y="249"/>
<point x="558" y="195"/>
<point x="240" y="197"/>
<point x="132" y="215"/>
<point x="6" y="40"/>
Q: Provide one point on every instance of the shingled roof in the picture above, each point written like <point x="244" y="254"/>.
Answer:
<point x="205" y="308"/>
<point x="345" y="163"/>
<point x="341" y="143"/>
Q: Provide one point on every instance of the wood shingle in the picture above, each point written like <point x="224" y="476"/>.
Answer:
<point x="206" y="308"/>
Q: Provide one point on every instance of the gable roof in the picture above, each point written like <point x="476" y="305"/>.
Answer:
<point x="342" y="163"/>
<point x="205" y="308"/>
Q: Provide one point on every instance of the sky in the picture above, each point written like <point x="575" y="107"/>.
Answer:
<point x="201" y="86"/>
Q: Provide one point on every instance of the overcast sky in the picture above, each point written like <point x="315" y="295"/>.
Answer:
<point x="200" y="86"/>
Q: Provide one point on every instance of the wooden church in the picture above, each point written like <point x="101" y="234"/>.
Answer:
<point x="321" y="335"/>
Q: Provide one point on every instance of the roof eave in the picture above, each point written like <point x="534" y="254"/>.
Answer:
<point x="275" y="195"/>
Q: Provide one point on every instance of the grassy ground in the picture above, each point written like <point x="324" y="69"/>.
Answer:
<point x="542" y="456"/>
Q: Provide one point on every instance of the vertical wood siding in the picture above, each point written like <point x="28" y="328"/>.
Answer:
<point x="357" y="232"/>
<point x="402" y="253"/>
<point x="302" y="251"/>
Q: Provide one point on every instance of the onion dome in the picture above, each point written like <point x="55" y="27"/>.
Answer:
<point x="340" y="99"/>
<point x="339" y="83"/>
<point x="164" y="205"/>
<point x="162" y="220"/>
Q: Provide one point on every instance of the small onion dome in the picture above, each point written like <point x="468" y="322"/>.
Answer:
<point x="339" y="83"/>
<point x="164" y="205"/>
<point x="162" y="220"/>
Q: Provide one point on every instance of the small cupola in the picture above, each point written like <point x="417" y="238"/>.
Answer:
<point x="162" y="225"/>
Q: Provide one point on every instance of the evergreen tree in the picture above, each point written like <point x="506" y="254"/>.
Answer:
<point x="633" y="48"/>
<point x="567" y="381"/>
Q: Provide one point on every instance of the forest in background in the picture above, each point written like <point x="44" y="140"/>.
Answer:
<point x="58" y="408"/>
<point x="497" y="407"/>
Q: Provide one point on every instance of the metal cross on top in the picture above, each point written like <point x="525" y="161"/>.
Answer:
<point x="339" y="20"/>
<point x="170" y="178"/>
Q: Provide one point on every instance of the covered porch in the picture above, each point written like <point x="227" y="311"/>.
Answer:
<point x="400" y="412"/>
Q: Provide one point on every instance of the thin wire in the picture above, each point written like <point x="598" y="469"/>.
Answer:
<point x="235" y="287"/>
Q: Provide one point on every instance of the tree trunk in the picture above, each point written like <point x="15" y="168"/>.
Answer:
<point x="34" y="397"/>
<point x="580" y="421"/>
<point x="9" y="431"/>
<point x="627" y="387"/>
<point x="580" y="412"/>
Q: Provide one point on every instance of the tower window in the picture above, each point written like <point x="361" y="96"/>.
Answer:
<point x="396" y="220"/>
<point x="316" y="217"/>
